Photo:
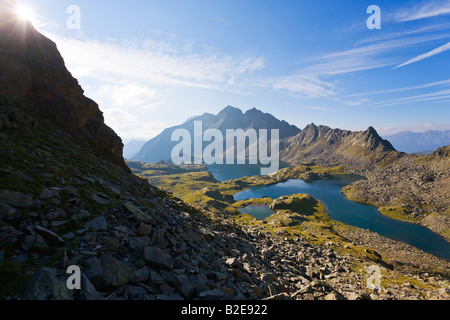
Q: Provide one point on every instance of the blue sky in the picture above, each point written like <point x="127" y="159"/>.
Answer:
<point x="153" y="64"/>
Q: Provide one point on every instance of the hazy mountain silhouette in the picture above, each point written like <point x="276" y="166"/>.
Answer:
<point x="412" y="142"/>
<point x="160" y="147"/>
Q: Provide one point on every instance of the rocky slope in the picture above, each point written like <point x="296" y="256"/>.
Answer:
<point x="330" y="147"/>
<point x="414" y="188"/>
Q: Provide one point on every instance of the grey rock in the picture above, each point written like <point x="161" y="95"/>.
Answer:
<point x="211" y="294"/>
<point x="88" y="291"/>
<point x="57" y="213"/>
<point x="101" y="198"/>
<point x="182" y="248"/>
<point x="156" y="279"/>
<point x="267" y="253"/>
<point x="138" y="213"/>
<point x="140" y="275"/>
<point x="22" y="258"/>
<point x="57" y="224"/>
<point x="171" y="279"/>
<point x="9" y="236"/>
<point x="158" y="258"/>
<point x="69" y="236"/>
<point x="49" y="234"/>
<point x="33" y="242"/>
<point x="111" y="243"/>
<point x="9" y="213"/>
<point x="186" y="288"/>
<point x="144" y="229"/>
<point x="115" y="272"/>
<point x="48" y="284"/>
<point x="82" y="214"/>
<point x="134" y="292"/>
<point x="93" y="271"/>
<point x="268" y="277"/>
<point x="16" y="199"/>
<point x="354" y="296"/>
<point x="115" y="189"/>
<point x="46" y="193"/>
<point x="233" y="263"/>
<point x="98" y="224"/>
<point x="280" y="296"/>
<point x="334" y="296"/>
<point x="169" y="297"/>
<point x="309" y="297"/>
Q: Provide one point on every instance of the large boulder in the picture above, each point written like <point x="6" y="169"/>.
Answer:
<point x="48" y="284"/>
<point x="158" y="258"/>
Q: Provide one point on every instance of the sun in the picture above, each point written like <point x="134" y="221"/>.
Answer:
<point x="25" y="13"/>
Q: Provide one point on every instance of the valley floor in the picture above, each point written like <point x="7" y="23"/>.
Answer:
<point x="404" y="267"/>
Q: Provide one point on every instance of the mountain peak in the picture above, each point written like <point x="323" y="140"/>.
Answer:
<point x="253" y="111"/>
<point x="310" y="126"/>
<point x="231" y="108"/>
<point x="230" y="111"/>
<point x="371" y="130"/>
<point x="372" y="137"/>
<point x="160" y="147"/>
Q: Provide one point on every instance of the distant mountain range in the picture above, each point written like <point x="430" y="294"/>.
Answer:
<point x="131" y="148"/>
<point x="419" y="142"/>
<point x="320" y="144"/>
<point x="160" y="147"/>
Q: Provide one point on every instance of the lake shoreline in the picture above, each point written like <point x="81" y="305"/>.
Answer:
<point x="368" y="218"/>
<point x="432" y="222"/>
<point x="396" y="252"/>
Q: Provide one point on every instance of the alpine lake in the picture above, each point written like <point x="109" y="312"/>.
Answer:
<point x="339" y="208"/>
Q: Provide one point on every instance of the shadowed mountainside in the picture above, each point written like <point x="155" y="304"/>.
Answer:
<point x="34" y="80"/>
<point x="160" y="147"/>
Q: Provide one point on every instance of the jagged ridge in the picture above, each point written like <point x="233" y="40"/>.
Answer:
<point x="326" y="146"/>
<point x="160" y="147"/>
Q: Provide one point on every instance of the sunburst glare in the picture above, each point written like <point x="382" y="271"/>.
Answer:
<point x="25" y="13"/>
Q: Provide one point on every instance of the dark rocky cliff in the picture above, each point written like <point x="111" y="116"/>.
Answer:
<point x="35" y="80"/>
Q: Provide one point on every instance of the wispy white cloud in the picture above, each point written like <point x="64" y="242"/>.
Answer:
<point x="418" y="87"/>
<point x="313" y="80"/>
<point x="129" y="125"/>
<point x="426" y="55"/>
<point x="434" y="28"/>
<point x="318" y="108"/>
<point x="427" y="9"/>
<point x="307" y="86"/>
<point x="153" y="63"/>
<point x="351" y="103"/>
<point x="438" y="95"/>
<point x="372" y="56"/>
<point x="132" y="95"/>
